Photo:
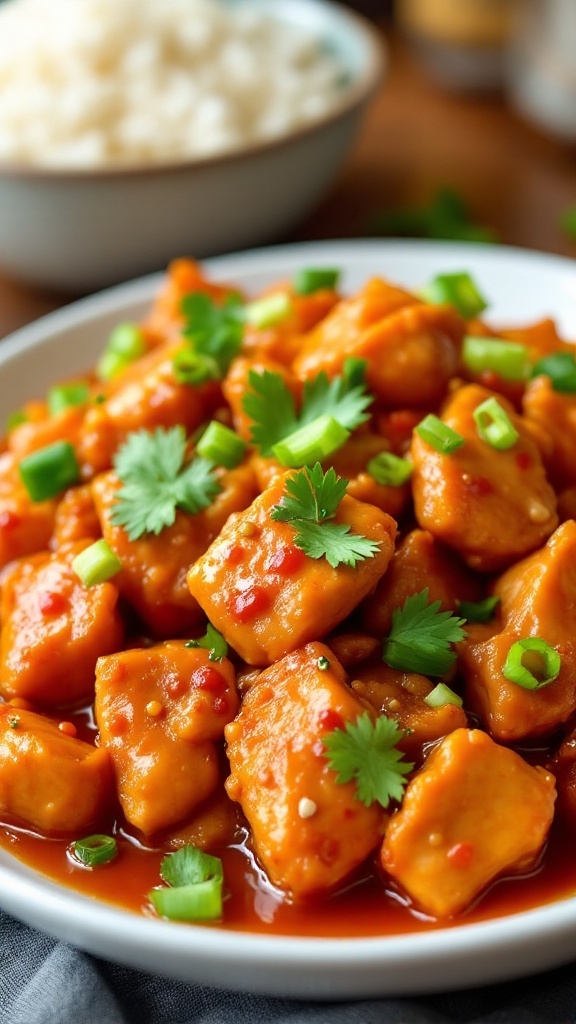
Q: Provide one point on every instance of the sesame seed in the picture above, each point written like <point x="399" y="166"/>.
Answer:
<point x="68" y="728"/>
<point x="247" y="528"/>
<point x="154" y="708"/>
<point x="435" y="839"/>
<point x="306" y="807"/>
<point x="537" y="511"/>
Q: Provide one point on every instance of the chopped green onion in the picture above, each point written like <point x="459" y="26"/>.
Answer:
<point x="506" y="358"/>
<point x="311" y="443"/>
<point x="221" y="445"/>
<point x="439" y="435"/>
<point x="213" y="642"/>
<point x="95" y="850"/>
<point x="96" y="564"/>
<point x="201" y="901"/>
<point x="49" y="470"/>
<point x="389" y="469"/>
<point x="532" y="663"/>
<point x="110" y="365"/>
<point x="312" y="280"/>
<point x="458" y="290"/>
<point x="494" y="425"/>
<point x="191" y="367"/>
<point x="269" y="311"/>
<point x="560" y="367"/>
<point x="478" y="611"/>
<point x="127" y="340"/>
<point x="323" y="663"/>
<point x="15" y="419"/>
<point x="442" y="695"/>
<point x="66" y="396"/>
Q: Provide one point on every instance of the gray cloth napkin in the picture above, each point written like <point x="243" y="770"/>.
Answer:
<point x="46" y="982"/>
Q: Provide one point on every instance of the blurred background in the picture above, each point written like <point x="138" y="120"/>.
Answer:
<point x="471" y="135"/>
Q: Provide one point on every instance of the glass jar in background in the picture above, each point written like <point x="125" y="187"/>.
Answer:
<point x="462" y="43"/>
<point x="541" y="70"/>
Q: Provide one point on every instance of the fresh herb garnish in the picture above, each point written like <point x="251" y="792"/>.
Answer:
<point x="271" y="407"/>
<point x="156" y="480"/>
<point x="213" y="642"/>
<point x="194" y="892"/>
<point x="446" y="216"/>
<point x="421" y="636"/>
<point x="366" y="751"/>
<point x="188" y="866"/>
<point x="479" y="611"/>
<point x="213" y="331"/>
<point x="310" y="501"/>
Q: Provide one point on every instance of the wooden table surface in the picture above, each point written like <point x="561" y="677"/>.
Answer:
<point x="416" y="138"/>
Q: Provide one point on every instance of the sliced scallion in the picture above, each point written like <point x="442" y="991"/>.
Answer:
<point x="95" y="850"/>
<point x="312" y="279"/>
<point x="200" y="901"/>
<point x="389" y="469"/>
<point x="49" y="470"/>
<point x="494" y="425"/>
<point x="478" y="611"/>
<point x="15" y="419"/>
<point x="311" y="443"/>
<point x="439" y="435"/>
<point x="191" y="367"/>
<point x="221" y="445"/>
<point x="560" y="367"/>
<point x="268" y="311"/>
<point x="442" y="695"/>
<point x="66" y="396"/>
<point x="532" y="663"/>
<point x="96" y="564"/>
<point x="457" y="290"/>
<point x="127" y="340"/>
<point x="508" y="359"/>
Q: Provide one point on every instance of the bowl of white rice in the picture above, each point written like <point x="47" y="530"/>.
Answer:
<point x="135" y="131"/>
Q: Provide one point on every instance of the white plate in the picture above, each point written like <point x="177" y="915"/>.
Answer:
<point x="520" y="286"/>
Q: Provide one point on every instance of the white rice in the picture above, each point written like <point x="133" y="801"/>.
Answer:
<point x="96" y="83"/>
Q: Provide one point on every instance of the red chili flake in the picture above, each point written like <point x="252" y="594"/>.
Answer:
<point x="209" y="679"/>
<point x="330" y="719"/>
<point x="118" y="723"/>
<point x="523" y="460"/>
<point x="250" y="603"/>
<point x="398" y="425"/>
<point x="9" y="520"/>
<point x="235" y="554"/>
<point x="51" y="603"/>
<point x="285" y="560"/>
<point x="461" y="854"/>
<point x="479" y="486"/>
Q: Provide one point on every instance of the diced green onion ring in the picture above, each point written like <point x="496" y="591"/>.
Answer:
<point x="15" y="419"/>
<point x="66" y="396"/>
<point x="127" y="340"/>
<point x="110" y="365"/>
<point x="508" y="359"/>
<point x="311" y="443"/>
<point x="389" y="469"/>
<point x="221" y="445"/>
<point x="439" y="435"/>
<point x="192" y="367"/>
<point x="268" y="311"/>
<point x="201" y="901"/>
<point x="442" y="695"/>
<point x="457" y="290"/>
<point x="95" y="850"/>
<point x="311" y="280"/>
<point x="494" y="425"/>
<point x="543" y="666"/>
<point x="48" y="471"/>
<point x="96" y="564"/>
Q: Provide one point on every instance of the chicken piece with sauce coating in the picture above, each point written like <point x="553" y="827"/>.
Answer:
<point x="308" y="830"/>
<point x="474" y="812"/>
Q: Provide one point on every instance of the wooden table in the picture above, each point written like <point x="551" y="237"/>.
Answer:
<point x="415" y="139"/>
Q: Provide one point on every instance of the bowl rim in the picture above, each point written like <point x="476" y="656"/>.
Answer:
<point x="356" y="93"/>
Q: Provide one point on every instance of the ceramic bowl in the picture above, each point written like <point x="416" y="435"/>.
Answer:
<point x="78" y="231"/>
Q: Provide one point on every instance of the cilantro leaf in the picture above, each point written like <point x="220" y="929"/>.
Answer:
<point x="156" y="481"/>
<point x="311" y="494"/>
<point x="334" y="542"/>
<point x="271" y="407"/>
<point x="212" y="641"/>
<point x="310" y="500"/>
<point x="366" y="751"/>
<point x="421" y="636"/>
<point x="213" y="330"/>
<point x="188" y="866"/>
